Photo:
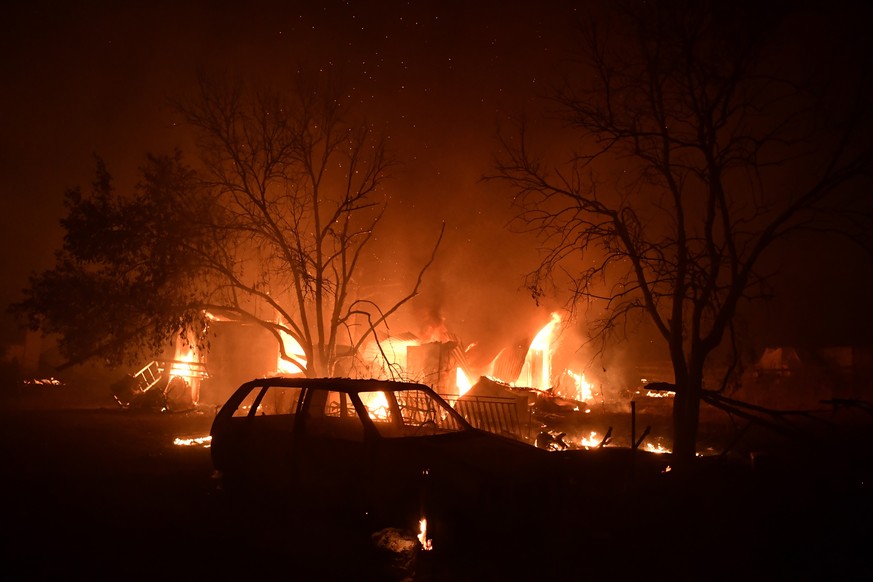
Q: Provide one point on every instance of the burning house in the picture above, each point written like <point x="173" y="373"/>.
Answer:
<point x="525" y="390"/>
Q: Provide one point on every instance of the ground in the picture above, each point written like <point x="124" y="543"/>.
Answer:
<point x="98" y="491"/>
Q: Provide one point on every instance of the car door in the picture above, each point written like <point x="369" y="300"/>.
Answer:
<point x="330" y="447"/>
<point x="260" y="432"/>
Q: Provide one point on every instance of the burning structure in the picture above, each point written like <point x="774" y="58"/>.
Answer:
<point x="501" y="393"/>
<point x="524" y="391"/>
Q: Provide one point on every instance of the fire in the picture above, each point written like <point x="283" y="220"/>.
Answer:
<point x="462" y="382"/>
<point x="184" y="363"/>
<point x="204" y="441"/>
<point x="592" y="440"/>
<point x="188" y="366"/>
<point x="538" y="359"/>
<point x="582" y="386"/>
<point x="426" y="544"/>
<point x="664" y="394"/>
<point x="376" y="404"/>
<point x="657" y="448"/>
<point x="295" y="351"/>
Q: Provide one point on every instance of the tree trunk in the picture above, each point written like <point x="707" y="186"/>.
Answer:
<point x="320" y="365"/>
<point x="686" y="418"/>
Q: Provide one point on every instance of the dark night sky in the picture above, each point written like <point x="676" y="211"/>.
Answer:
<point x="94" y="77"/>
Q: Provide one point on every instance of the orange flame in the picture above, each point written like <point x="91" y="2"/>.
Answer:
<point x="657" y="448"/>
<point x="543" y="338"/>
<point x="541" y="347"/>
<point x="426" y="544"/>
<point x="462" y="382"/>
<point x="590" y="441"/>
<point x="583" y="387"/>
<point x="182" y="364"/>
<point x="204" y="441"/>
<point x="295" y="351"/>
<point x="376" y="404"/>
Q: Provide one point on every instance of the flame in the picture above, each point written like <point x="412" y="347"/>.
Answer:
<point x="662" y="394"/>
<point x="294" y="351"/>
<point x="539" y="352"/>
<point x="658" y="448"/>
<point x="182" y="364"/>
<point x="426" y="544"/>
<point x="462" y="382"/>
<point x="376" y="404"/>
<point x="385" y="357"/>
<point x="204" y="441"/>
<point x="583" y="387"/>
<point x="542" y="341"/>
<point x="591" y="441"/>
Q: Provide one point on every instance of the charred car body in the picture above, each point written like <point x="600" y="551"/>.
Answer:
<point x="396" y="452"/>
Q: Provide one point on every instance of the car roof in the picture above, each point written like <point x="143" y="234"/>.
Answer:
<point x="337" y="384"/>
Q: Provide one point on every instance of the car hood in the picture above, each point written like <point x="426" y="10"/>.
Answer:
<point x="472" y="453"/>
<point x="483" y="457"/>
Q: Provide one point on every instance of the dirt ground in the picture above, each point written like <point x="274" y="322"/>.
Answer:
<point x="95" y="490"/>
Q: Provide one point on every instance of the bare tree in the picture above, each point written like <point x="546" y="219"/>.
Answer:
<point x="695" y="149"/>
<point x="301" y="194"/>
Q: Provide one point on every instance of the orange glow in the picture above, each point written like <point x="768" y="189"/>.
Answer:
<point x="582" y="387"/>
<point x="295" y="351"/>
<point x="542" y="341"/>
<point x="188" y="366"/>
<point x="388" y="356"/>
<point x="426" y="544"/>
<point x="376" y="405"/>
<point x="591" y="441"/>
<point x="184" y="362"/>
<point x="462" y="382"/>
<point x="538" y="360"/>
<point x="657" y="394"/>
<point x="204" y="441"/>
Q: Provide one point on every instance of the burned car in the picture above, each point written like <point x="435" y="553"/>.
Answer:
<point x="393" y="451"/>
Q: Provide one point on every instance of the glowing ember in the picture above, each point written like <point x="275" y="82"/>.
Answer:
<point x="426" y="544"/>
<point x="189" y="368"/>
<point x="662" y="394"/>
<point x="43" y="382"/>
<point x="591" y="441"/>
<point x="462" y="382"/>
<point x="204" y="441"/>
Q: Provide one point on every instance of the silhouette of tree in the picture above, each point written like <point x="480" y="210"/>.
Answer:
<point x="700" y="136"/>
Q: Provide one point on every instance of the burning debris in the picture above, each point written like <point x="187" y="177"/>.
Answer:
<point x="161" y="387"/>
<point x="43" y="382"/>
<point x="593" y="440"/>
<point x="552" y="441"/>
<point x="658" y="447"/>
<point x="657" y="390"/>
<point x="203" y="441"/>
<point x="521" y="393"/>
